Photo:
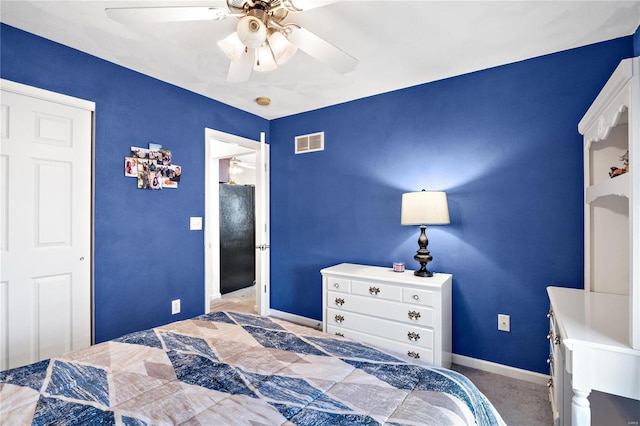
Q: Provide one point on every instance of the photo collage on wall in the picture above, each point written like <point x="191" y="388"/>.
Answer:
<point x="152" y="167"/>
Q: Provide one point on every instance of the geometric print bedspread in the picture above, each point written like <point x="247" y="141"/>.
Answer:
<point x="227" y="368"/>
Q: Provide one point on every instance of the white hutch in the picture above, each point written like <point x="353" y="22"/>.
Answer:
<point x="595" y="331"/>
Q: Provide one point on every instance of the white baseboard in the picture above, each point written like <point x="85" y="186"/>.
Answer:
<point x="503" y="370"/>
<point x="297" y="319"/>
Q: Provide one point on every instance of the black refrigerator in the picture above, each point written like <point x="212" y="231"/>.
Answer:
<point x="237" y="237"/>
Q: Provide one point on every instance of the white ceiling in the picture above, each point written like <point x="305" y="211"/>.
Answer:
<point x="398" y="43"/>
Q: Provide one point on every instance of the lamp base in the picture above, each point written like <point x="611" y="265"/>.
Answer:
<point x="423" y="271"/>
<point x="422" y="255"/>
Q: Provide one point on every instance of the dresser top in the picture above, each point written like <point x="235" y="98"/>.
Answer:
<point x="351" y="270"/>
<point x="591" y="319"/>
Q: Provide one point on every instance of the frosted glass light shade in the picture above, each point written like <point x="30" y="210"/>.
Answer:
<point x="251" y="31"/>
<point x="264" y="60"/>
<point x="232" y="47"/>
<point x="282" y="49"/>
<point x="425" y="208"/>
<point x="234" y="167"/>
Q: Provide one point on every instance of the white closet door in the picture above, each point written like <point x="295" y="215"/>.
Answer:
<point x="45" y="216"/>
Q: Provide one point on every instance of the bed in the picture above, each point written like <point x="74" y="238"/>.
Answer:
<point x="227" y="368"/>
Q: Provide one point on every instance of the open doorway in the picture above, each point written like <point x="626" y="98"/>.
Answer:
<point x="253" y="157"/>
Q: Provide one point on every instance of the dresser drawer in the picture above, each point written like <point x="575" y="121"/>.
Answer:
<point x="402" y="333"/>
<point x="418" y="297"/>
<point x="377" y="290"/>
<point x="338" y="284"/>
<point x="421" y="316"/>
<point x="395" y="348"/>
<point x="335" y="299"/>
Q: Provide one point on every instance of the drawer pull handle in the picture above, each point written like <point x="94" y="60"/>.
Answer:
<point x="336" y="285"/>
<point x="414" y="337"/>
<point x="413" y="354"/>
<point x="550" y="383"/>
<point x="557" y="340"/>
<point x="339" y="334"/>
<point x="339" y="301"/>
<point x="339" y="318"/>
<point x="416" y="297"/>
<point x="374" y="290"/>
<point x="413" y="315"/>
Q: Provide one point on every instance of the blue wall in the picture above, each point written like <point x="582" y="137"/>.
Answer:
<point x="145" y="255"/>
<point x="636" y="42"/>
<point x="502" y="142"/>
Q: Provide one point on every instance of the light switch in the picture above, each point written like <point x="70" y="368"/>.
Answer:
<point x="195" y="224"/>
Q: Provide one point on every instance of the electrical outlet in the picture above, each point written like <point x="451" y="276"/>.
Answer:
<point x="175" y="306"/>
<point x="504" y="322"/>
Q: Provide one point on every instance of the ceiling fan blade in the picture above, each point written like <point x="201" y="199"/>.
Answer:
<point x="136" y="15"/>
<point x="309" y="4"/>
<point x="240" y="71"/>
<point x="322" y="50"/>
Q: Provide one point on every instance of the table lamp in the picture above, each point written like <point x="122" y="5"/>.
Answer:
<point x="424" y="208"/>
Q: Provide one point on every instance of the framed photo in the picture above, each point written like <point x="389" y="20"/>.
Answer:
<point x="130" y="167"/>
<point x="138" y="152"/>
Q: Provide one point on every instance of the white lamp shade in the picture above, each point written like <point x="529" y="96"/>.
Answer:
<point x="232" y="47"/>
<point x="425" y="208"/>
<point x="264" y="60"/>
<point x="251" y="31"/>
<point x="282" y="49"/>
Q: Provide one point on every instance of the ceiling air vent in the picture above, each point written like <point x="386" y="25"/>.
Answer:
<point x="310" y="143"/>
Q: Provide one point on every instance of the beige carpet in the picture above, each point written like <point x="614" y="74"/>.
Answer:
<point x="243" y="300"/>
<point x="520" y="403"/>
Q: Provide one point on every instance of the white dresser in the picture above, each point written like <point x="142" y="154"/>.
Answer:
<point x="393" y="310"/>
<point x="595" y="331"/>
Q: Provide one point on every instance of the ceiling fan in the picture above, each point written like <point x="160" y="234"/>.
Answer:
<point x="262" y="39"/>
<point x="236" y="166"/>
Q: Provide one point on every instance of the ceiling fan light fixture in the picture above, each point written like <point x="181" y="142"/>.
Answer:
<point x="232" y="47"/>
<point x="264" y="59"/>
<point x="234" y="166"/>
<point x="251" y="31"/>
<point x="282" y="48"/>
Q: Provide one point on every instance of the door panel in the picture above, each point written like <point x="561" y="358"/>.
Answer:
<point x="53" y="296"/>
<point x="45" y="290"/>
<point x="53" y="202"/>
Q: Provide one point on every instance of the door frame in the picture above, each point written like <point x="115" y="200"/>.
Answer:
<point x="232" y="145"/>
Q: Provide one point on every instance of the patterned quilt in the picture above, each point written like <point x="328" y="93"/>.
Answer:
<point x="227" y="368"/>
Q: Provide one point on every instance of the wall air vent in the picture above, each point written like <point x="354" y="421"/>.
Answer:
<point x="310" y="143"/>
